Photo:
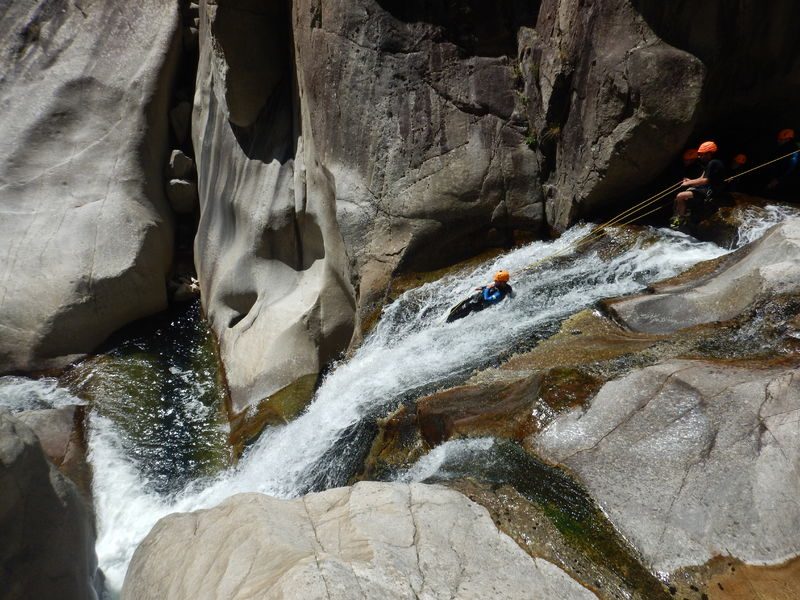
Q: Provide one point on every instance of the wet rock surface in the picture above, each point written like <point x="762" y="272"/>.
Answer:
<point x="369" y="541"/>
<point x="691" y="459"/>
<point x="47" y="531"/>
<point x="767" y="268"/>
<point x="85" y="241"/>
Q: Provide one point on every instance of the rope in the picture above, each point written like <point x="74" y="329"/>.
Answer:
<point x="761" y="166"/>
<point x="599" y="231"/>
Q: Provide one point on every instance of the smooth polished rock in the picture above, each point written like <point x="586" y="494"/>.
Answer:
<point x="85" y="231"/>
<point x="692" y="459"/>
<point x="372" y="540"/>
<point x="769" y="268"/>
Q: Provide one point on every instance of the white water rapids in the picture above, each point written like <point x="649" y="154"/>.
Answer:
<point x="410" y="352"/>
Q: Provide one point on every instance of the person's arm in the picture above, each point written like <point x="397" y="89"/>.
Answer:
<point x="695" y="182"/>
<point x="492" y="294"/>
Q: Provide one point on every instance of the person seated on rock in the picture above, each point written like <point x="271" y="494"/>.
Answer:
<point x="785" y="170"/>
<point x="703" y="189"/>
<point x="483" y="297"/>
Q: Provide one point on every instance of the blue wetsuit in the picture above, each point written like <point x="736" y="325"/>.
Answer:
<point x="492" y="294"/>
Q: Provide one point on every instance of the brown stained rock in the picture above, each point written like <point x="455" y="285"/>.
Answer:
<point x="475" y="410"/>
<point x="278" y="409"/>
<point x="585" y="338"/>
<point x="397" y="445"/>
<point x="513" y="407"/>
<point x="62" y="435"/>
<point x="738" y="581"/>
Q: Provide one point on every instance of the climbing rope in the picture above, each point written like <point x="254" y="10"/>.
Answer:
<point x="630" y="215"/>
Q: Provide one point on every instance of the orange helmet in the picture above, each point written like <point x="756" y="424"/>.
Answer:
<point x="707" y="148"/>
<point x="690" y="155"/>
<point x="501" y="277"/>
<point x="740" y="159"/>
<point x="785" y="135"/>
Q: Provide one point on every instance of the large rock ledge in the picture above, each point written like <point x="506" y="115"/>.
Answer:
<point x="47" y="534"/>
<point x="692" y="459"/>
<point x="372" y="540"/>
<point x="769" y="268"/>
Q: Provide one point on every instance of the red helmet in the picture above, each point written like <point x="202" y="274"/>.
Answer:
<point x="785" y="135"/>
<point x="707" y="148"/>
<point x="740" y="159"/>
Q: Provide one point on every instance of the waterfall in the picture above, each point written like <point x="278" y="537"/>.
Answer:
<point x="412" y="351"/>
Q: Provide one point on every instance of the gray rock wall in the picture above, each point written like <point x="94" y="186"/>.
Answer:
<point x="272" y="265"/>
<point x="47" y="531"/>
<point x="85" y="240"/>
<point x="610" y="102"/>
<point x="364" y="140"/>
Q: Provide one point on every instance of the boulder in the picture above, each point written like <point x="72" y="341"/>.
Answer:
<point x="47" y="531"/>
<point x="373" y="540"/>
<point x="182" y="196"/>
<point x="769" y="268"/>
<point x="62" y="436"/>
<point x="180" y="165"/>
<point x="85" y="233"/>
<point x="691" y="459"/>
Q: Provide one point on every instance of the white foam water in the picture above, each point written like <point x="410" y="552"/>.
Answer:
<point x="411" y="351"/>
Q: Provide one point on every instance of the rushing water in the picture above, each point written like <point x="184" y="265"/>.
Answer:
<point x="410" y="352"/>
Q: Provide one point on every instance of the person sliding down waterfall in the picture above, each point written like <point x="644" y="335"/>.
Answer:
<point x="704" y="189"/>
<point x="484" y="296"/>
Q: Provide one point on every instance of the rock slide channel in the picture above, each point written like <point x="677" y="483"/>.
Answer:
<point x="411" y="352"/>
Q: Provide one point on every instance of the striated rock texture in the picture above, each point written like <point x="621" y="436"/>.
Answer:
<point x="610" y="102"/>
<point x="373" y="540"/>
<point x="341" y="142"/>
<point x="692" y="459"/>
<point x="47" y="531"/>
<point x="617" y="87"/>
<point x="85" y="240"/>
<point x="770" y="267"/>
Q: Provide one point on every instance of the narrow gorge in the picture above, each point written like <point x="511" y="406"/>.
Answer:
<point x="231" y="235"/>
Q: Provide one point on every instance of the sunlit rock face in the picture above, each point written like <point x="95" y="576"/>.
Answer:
<point x="336" y="141"/>
<point x="372" y="540"/>
<point x="691" y="459"/>
<point x="85" y="241"/>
